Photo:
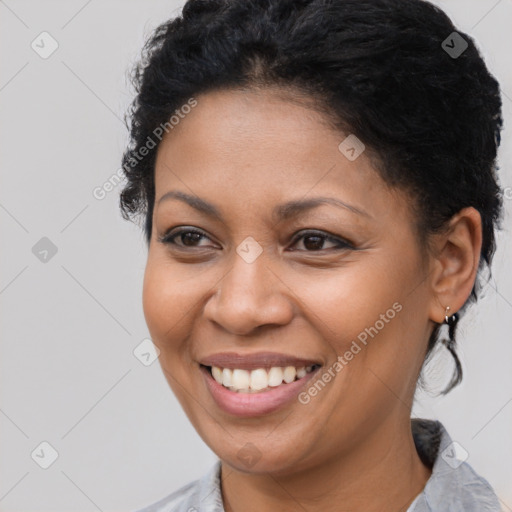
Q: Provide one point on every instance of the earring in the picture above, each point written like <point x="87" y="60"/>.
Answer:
<point x="450" y="320"/>
<point x="449" y="343"/>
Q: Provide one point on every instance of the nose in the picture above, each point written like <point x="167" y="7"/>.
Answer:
<point x="248" y="297"/>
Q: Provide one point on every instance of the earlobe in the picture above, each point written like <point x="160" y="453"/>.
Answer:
<point x="456" y="263"/>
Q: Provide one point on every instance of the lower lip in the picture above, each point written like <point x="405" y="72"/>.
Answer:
<point x="254" y="404"/>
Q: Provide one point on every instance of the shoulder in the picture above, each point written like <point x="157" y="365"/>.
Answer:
<point x="454" y="485"/>
<point x="174" y="502"/>
<point x="202" y="495"/>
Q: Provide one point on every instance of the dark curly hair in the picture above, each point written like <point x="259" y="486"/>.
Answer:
<point x="380" y="69"/>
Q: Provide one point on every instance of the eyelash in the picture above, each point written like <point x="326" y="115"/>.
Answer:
<point x="169" y="239"/>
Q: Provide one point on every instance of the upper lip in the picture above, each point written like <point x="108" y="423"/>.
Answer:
<point x="255" y="360"/>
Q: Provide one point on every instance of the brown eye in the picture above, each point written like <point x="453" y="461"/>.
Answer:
<point x="184" y="237"/>
<point x="314" y="241"/>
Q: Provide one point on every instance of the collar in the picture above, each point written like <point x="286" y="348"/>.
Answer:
<point x="453" y="486"/>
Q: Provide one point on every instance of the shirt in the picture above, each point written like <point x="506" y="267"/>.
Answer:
<point x="452" y="487"/>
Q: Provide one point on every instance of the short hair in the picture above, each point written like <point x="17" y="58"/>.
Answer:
<point x="391" y="72"/>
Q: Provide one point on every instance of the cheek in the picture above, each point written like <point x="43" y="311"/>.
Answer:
<point x="167" y="301"/>
<point x="345" y="302"/>
<point x="367" y="311"/>
<point x="168" y="305"/>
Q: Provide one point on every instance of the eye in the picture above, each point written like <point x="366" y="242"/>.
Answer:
<point x="314" y="241"/>
<point x="187" y="237"/>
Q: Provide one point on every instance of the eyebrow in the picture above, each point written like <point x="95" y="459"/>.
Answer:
<point x="281" y="212"/>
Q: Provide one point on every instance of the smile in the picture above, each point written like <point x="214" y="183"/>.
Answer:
<point x="259" y="380"/>
<point x="255" y="385"/>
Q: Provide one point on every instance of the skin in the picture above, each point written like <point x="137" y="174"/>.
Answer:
<point x="350" y="447"/>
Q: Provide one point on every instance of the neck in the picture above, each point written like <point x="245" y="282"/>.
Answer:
<point x="383" y="473"/>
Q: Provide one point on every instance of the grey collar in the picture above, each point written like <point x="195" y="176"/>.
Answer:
<point x="453" y="486"/>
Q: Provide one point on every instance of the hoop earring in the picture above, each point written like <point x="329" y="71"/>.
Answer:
<point x="450" y="320"/>
<point x="449" y="343"/>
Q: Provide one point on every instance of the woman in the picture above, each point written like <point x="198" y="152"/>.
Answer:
<point x="318" y="184"/>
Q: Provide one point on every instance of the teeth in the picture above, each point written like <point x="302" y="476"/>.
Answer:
<point x="217" y="374"/>
<point x="289" y="374"/>
<point x="227" y="377"/>
<point x="257" y="380"/>
<point x="241" y="379"/>
<point x="275" y="377"/>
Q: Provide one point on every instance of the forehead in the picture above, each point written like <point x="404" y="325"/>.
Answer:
<point x="255" y="147"/>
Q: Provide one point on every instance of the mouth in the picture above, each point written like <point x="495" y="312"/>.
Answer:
<point x="259" y="380"/>
<point x="258" y="384"/>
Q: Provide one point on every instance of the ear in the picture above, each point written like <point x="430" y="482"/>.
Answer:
<point x="456" y="260"/>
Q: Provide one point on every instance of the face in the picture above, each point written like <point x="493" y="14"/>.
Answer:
<point x="334" y="292"/>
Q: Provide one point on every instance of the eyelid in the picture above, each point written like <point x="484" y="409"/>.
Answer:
<point x="167" y="237"/>
<point x="341" y="243"/>
<point x="338" y="240"/>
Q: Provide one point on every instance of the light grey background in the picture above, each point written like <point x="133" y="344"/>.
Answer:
<point x="70" y="325"/>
